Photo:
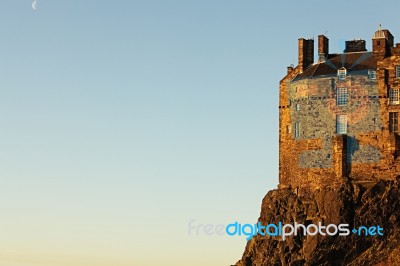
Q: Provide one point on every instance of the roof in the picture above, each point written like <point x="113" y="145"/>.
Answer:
<point x="379" y="34"/>
<point x="353" y="62"/>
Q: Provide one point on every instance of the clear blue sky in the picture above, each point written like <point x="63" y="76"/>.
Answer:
<point x="123" y="120"/>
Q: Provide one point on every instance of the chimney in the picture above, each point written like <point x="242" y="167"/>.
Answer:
<point x="355" y="46"/>
<point x="306" y="53"/>
<point x="323" y="48"/>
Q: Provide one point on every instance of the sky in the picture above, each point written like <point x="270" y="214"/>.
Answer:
<point x="125" y="125"/>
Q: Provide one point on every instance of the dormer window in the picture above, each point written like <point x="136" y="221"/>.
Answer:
<point x="342" y="73"/>
<point x="371" y="74"/>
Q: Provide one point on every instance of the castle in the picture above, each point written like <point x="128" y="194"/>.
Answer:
<point x="339" y="116"/>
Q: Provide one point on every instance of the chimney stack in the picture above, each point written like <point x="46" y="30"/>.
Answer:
<point x="323" y="48"/>
<point x="306" y="53"/>
<point x="355" y="46"/>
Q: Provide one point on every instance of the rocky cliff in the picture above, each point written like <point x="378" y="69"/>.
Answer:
<point x="355" y="204"/>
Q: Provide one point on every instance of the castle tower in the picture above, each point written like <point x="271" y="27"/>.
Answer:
<point x="338" y="118"/>
<point x="382" y="41"/>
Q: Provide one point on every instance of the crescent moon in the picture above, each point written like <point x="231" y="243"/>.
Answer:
<point x="34" y="4"/>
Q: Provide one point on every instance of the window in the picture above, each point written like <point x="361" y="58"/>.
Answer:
<point x="394" y="96"/>
<point x="297" y="107"/>
<point x="397" y="71"/>
<point x="393" y="122"/>
<point x="371" y="74"/>
<point x="297" y="130"/>
<point x="289" y="129"/>
<point x="342" y="73"/>
<point x="341" y="124"/>
<point x="341" y="97"/>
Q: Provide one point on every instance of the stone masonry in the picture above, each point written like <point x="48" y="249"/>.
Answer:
<point x="338" y="118"/>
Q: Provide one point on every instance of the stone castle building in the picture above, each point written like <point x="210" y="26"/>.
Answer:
<point x="339" y="116"/>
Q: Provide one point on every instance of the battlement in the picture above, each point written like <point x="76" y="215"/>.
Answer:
<point x="338" y="118"/>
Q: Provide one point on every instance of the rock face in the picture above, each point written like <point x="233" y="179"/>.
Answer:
<point x="356" y="204"/>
